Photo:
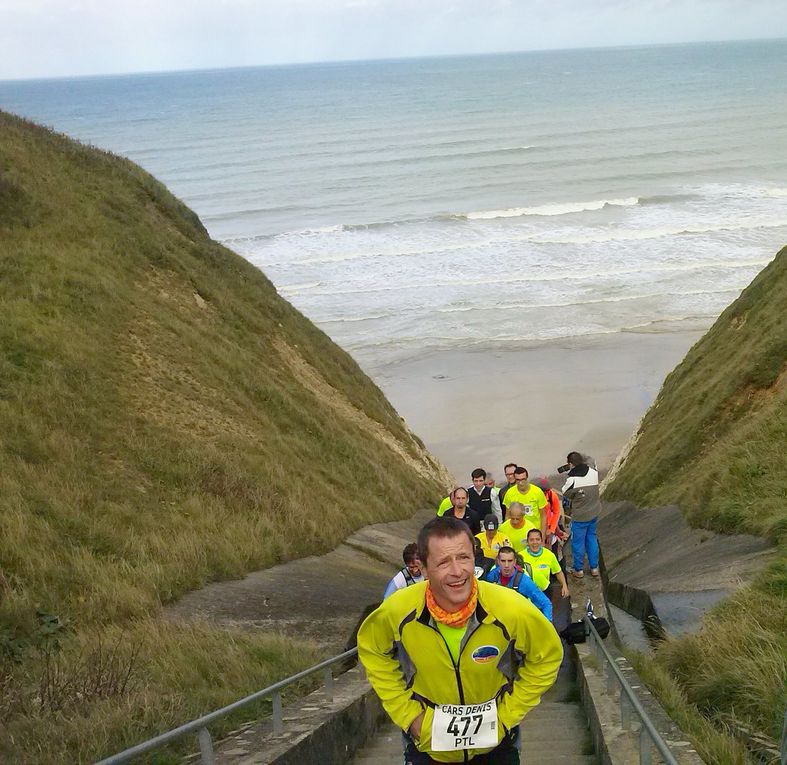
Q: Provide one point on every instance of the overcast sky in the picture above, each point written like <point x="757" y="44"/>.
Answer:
<point x="53" y="38"/>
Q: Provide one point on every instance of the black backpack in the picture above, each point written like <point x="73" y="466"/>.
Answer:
<point x="577" y="632"/>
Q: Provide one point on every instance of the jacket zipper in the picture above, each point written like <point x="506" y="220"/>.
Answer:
<point x="466" y="638"/>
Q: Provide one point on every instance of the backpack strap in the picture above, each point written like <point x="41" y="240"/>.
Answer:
<point x="408" y="577"/>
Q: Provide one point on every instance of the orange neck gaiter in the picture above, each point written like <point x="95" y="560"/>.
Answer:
<point x="452" y="618"/>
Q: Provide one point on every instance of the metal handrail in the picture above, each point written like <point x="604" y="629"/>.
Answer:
<point x="647" y="732"/>
<point x="200" y="725"/>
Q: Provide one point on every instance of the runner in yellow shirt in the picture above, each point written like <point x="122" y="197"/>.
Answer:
<point x="543" y="562"/>
<point x="531" y="498"/>
<point x="446" y="504"/>
<point x="515" y="527"/>
<point x="491" y="539"/>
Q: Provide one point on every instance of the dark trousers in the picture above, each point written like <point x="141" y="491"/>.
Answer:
<point x="505" y="753"/>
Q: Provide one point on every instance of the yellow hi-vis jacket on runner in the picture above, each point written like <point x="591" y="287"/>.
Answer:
<point x="510" y="652"/>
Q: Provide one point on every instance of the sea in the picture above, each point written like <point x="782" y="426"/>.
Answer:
<point x="470" y="202"/>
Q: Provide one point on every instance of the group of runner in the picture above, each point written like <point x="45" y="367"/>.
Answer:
<point x="463" y="644"/>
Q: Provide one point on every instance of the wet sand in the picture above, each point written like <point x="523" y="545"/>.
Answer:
<point x="533" y="405"/>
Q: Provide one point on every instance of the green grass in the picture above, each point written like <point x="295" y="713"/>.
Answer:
<point x="167" y="420"/>
<point x="714" y="443"/>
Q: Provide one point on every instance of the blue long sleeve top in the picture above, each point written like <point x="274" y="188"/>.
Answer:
<point x="526" y="587"/>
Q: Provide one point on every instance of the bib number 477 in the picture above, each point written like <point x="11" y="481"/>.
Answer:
<point x="461" y="726"/>
<point x="464" y="726"/>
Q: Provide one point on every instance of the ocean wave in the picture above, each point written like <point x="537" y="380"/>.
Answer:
<point x="295" y="288"/>
<point x="414" y="346"/>
<point x="354" y="319"/>
<point x="545" y="237"/>
<point x="571" y="303"/>
<point x="606" y="273"/>
<point x="661" y="323"/>
<point x="565" y="208"/>
<point x="623" y="235"/>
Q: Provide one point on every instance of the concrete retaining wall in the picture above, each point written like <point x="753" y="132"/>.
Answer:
<point x="316" y="731"/>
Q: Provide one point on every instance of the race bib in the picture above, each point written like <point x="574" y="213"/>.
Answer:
<point x="464" y="726"/>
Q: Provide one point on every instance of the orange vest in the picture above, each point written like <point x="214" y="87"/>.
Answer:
<point x="552" y="510"/>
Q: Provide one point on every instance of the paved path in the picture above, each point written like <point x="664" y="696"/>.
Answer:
<point x="331" y="590"/>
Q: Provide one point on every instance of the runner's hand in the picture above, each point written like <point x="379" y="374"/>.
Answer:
<point x="415" y="727"/>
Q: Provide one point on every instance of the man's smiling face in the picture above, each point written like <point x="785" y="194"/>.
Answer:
<point x="450" y="569"/>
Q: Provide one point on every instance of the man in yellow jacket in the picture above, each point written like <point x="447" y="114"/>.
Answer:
<point x="456" y="662"/>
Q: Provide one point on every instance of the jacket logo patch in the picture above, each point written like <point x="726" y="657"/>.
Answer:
<point x="485" y="653"/>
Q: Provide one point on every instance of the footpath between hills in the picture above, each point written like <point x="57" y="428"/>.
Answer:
<point x="319" y="597"/>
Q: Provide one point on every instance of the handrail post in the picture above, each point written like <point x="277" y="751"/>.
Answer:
<point x="644" y="746"/>
<point x="278" y="722"/>
<point x="625" y="712"/>
<point x="206" y="747"/>
<point x="610" y="679"/>
<point x="328" y="675"/>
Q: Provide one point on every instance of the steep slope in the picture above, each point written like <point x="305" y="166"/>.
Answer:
<point x="713" y="439"/>
<point x="714" y="443"/>
<point x="166" y="417"/>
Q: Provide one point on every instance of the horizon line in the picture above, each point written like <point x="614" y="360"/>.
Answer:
<point x="237" y="67"/>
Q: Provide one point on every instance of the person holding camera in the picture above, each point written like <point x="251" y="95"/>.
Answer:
<point x="581" y="489"/>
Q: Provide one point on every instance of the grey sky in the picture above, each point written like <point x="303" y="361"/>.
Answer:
<point x="43" y="38"/>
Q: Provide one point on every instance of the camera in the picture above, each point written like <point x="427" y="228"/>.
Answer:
<point x="564" y="468"/>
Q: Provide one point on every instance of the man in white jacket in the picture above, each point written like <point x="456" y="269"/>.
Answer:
<point x="581" y="488"/>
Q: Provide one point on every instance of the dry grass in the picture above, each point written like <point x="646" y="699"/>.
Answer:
<point x="715" y="744"/>
<point x="117" y="687"/>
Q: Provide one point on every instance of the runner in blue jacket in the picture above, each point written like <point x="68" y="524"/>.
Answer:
<point x="507" y="574"/>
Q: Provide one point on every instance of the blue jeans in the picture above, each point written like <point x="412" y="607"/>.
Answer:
<point x="584" y="540"/>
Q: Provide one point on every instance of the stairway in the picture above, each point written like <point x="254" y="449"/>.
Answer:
<point x="556" y="731"/>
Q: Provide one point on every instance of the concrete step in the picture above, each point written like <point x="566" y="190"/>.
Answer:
<point x="556" y="736"/>
<point x="565" y="689"/>
<point x="557" y="759"/>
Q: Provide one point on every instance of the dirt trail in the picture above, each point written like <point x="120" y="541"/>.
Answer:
<point x="320" y="597"/>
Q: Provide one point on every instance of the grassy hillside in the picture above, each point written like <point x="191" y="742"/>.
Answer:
<point x="714" y="443"/>
<point x="166" y="419"/>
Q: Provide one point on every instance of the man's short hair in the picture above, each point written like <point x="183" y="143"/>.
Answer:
<point x="456" y="489"/>
<point x="478" y="473"/>
<point x="534" y="531"/>
<point x="441" y="527"/>
<point x="515" y="506"/>
<point x="510" y="464"/>
<point x="506" y="549"/>
<point x="520" y="470"/>
<point x="575" y="458"/>
<point x="410" y="553"/>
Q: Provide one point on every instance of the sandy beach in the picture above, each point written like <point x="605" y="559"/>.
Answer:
<point x="533" y="405"/>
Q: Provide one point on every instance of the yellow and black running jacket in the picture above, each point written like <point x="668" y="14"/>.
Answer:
<point x="510" y="652"/>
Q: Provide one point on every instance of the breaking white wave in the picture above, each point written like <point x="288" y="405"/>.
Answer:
<point x="565" y="208"/>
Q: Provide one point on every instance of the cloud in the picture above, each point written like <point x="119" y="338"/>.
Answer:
<point x="60" y="37"/>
